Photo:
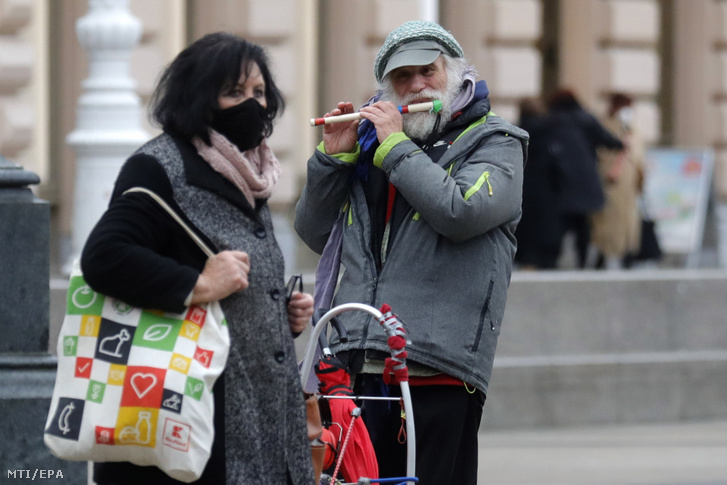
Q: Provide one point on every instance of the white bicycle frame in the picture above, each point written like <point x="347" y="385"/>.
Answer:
<point x="405" y="393"/>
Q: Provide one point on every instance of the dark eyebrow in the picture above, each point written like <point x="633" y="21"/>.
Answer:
<point x="261" y="82"/>
<point x="227" y="87"/>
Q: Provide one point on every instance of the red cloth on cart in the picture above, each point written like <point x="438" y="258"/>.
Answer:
<point x="359" y="458"/>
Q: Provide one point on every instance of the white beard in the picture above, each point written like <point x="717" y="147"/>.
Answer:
<point x="419" y="126"/>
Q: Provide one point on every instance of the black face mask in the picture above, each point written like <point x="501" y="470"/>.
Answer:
<point x="242" y="124"/>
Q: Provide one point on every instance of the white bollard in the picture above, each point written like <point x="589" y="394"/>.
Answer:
<point x="109" y="114"/>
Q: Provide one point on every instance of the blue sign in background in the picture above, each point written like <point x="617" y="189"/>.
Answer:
<point x="676" y="193"/>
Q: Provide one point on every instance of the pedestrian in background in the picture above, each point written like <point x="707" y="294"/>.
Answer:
<point x="578" y="134"/>
<point x="616" y="229"/>
<point x="540" y="229"/>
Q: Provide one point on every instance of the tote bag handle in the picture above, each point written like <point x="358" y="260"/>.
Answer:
<point x="176" y="217"/>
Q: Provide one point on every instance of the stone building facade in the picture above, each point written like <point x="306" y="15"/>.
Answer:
<point x="670" y="55"/>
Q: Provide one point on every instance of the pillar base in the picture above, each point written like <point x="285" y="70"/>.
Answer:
<point x="26" y="387"/>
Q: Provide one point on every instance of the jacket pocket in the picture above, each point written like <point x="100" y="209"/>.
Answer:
<point x="483" y="317"/>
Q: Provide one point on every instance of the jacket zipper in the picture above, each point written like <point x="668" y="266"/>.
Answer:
<point x="484" y="179"/>
<point x="483" y="315"/>
<point x="372" y="265"/>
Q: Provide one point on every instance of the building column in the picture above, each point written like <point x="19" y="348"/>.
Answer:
<point x="692" y="62"/>
<point x="695" y="94"/>
<point x="577" y="48"/>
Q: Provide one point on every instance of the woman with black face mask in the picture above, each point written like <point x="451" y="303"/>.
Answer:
<point x="216" y="103"/>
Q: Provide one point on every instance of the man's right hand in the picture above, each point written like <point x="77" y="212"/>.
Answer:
<point x="340" y="137"/>
<point x="224" y="274"/>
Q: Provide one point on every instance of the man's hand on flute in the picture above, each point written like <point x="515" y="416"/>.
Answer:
<point x="340" y="137"/>
<point x="386" y="118"/>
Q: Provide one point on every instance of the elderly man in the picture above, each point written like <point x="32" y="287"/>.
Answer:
<point x="423" y="208"/>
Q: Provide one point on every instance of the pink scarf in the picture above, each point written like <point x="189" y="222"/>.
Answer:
<point x="254" y="172"/>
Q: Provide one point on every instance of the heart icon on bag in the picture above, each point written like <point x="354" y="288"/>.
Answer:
<point x="143" y="383"/>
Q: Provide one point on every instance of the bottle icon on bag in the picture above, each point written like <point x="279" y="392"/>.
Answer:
<point x="144" y="427"/>
<point x="140" y="434"/>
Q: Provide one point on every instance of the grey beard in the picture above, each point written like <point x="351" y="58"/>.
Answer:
<point x="419" y="126"/>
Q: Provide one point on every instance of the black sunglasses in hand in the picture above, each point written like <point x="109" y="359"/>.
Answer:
<point x="296" y="279"/>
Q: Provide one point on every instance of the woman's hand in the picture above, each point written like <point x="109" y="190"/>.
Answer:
<point x="300" y="311"/>
<point x="340" y="137"/>
<point x="224" y="274"/>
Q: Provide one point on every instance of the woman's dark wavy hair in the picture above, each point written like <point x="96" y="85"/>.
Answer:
<point x="563" y="98"/>
<point x="187" y="92"/>
<point x="617" y="101"/>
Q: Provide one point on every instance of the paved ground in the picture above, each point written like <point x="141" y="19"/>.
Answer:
<point x="664" y="454"/>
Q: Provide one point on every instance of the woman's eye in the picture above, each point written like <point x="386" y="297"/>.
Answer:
<point x="259" y="93"/>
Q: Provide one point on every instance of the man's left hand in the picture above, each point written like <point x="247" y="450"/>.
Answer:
<point x="386" y="118"/>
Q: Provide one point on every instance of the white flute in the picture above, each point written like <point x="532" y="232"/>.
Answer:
<point x="432" y="106"/>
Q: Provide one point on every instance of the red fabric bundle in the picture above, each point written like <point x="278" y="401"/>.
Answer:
<point x="359" y="459"/>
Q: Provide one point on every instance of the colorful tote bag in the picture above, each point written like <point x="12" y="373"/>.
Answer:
<point x="136" y="385"/>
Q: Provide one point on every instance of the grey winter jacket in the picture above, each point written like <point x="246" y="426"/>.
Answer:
<point x="449" y="262"/>
<point x="139" y="254"/>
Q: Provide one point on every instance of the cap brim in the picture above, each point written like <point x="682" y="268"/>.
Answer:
<point x="413" y="57"/>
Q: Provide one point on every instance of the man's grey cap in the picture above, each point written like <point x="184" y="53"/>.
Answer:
<point x="428" y="39"/>
<point x="415" y="53"/>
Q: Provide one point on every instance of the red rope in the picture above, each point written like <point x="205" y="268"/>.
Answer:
<point x="395" y="369"/>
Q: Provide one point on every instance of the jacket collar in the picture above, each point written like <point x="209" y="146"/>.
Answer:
<point x="474" y="111"/>
<point x="200" y="174"/>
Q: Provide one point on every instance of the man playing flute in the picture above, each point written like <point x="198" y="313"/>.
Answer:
<point x="429" y="205"/>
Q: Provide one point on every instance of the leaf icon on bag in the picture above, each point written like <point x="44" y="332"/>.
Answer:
<point x="158" y="331"/>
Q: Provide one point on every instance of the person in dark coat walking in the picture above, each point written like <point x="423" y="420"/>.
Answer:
<point x="578" y="134"/>
<point x="216" y="103"/>
<point x="540" y="229"/>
